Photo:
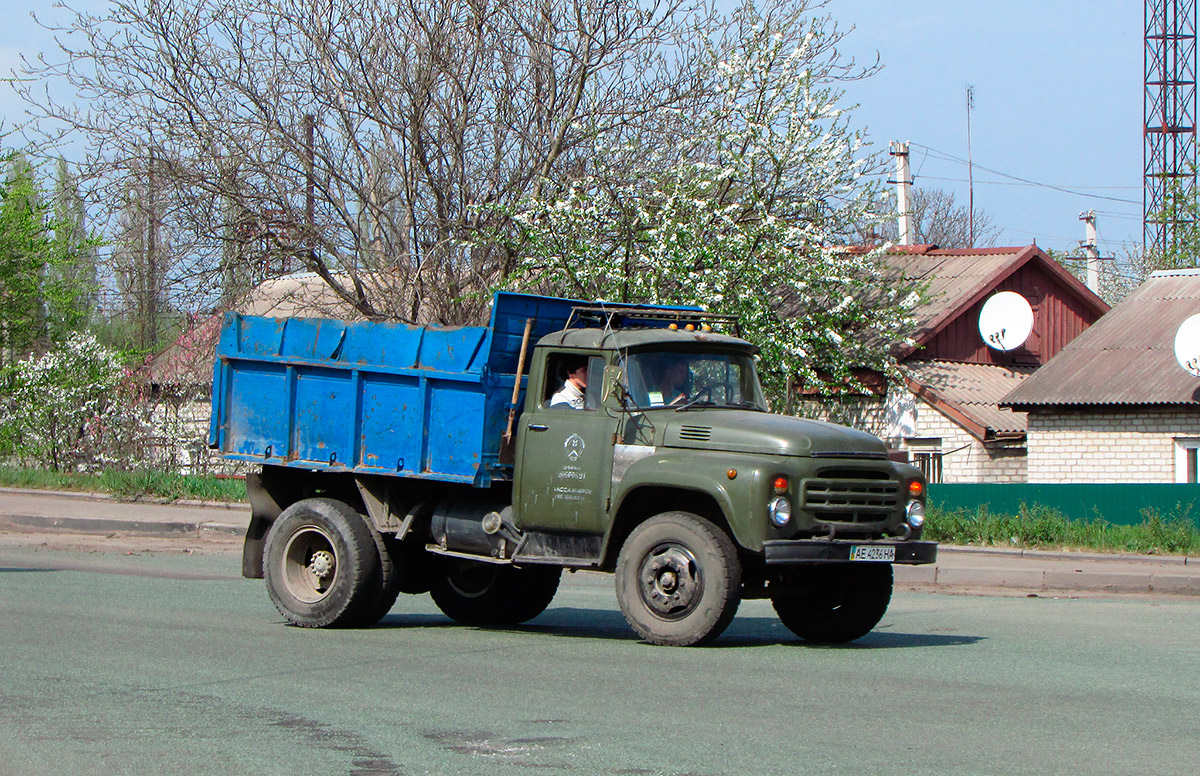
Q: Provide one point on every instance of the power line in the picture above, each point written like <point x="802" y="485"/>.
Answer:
<point x="951" y="158"/>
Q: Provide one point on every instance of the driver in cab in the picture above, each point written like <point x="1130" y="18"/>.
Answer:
<point x="673" y="378"/>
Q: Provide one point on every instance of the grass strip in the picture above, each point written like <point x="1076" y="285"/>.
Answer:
<point x="1040" y="527"/>
<point x="129" y="485"/>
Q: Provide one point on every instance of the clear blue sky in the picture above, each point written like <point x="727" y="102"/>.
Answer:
<point x="1058" y="100"/>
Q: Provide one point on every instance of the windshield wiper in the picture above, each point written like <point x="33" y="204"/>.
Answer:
<point x="698" y="403"/>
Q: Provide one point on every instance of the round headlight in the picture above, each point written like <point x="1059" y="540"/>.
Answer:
<point x="780" y="510"/>
<point x="916" y="513"/>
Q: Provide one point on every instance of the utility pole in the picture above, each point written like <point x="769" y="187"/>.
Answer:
<point x="1091" y="252"/>
<point x="903" y="182"/>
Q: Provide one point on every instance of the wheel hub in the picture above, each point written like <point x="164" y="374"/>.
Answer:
<point x="670" y="581"/>
<point x="321" y="564"/>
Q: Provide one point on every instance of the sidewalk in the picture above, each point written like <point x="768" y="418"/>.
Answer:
<point x="958" y="569"/>
<point x="95" y="513"/>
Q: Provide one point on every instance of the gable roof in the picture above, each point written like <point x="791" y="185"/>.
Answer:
<point x="958" y="278"/>
<point x="1126" y="357"/>
<point x="969" y="393"/>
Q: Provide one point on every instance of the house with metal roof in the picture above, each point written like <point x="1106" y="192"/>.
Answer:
<point x="946" y="415"/>
<point x="1114" y="405"/>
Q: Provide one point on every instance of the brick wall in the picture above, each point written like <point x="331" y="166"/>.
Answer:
<point x="1102" y="445"/>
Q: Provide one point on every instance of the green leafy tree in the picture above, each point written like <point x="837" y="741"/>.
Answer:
<point x="74" y="268"/>
<point x="39" y="291"/>
<point x="741" y="209"/>
<point x="24" y="253"/>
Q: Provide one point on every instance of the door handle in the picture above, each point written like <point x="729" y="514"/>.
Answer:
<point x="537" y="427"/>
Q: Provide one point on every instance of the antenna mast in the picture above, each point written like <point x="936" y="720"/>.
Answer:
<point x="1169" y="125"/>
<point x="970" y="167"/>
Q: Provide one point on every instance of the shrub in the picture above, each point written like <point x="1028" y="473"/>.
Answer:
<point x="72" y="408"/>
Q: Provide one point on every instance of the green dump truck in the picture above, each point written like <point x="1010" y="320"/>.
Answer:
<point x="476" y="463"/>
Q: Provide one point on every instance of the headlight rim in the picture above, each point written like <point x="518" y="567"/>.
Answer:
<point x="914" y="513"/>
<point x="780" y="505"/>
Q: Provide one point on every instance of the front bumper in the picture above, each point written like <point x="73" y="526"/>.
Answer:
<point x="781" y="552"/>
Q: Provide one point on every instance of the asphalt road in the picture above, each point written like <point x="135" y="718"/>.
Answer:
<point x="169" y="662"/>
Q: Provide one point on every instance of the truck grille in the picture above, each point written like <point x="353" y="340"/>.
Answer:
<point x="851" y="501"/>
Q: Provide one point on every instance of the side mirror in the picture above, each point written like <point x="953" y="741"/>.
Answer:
<point x="612" y="389"/>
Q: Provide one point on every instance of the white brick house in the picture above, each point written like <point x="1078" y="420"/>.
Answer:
<point x="1114" y="406"/>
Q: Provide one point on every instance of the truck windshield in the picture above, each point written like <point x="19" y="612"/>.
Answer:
<point x="679" y="380"/>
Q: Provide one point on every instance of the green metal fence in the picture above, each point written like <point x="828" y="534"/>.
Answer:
<point x="1119" y="503"/>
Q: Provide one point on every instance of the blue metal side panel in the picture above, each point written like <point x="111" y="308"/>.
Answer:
<point x="456" y="440"/>
<point x="393" y="410"/>
<point x="509" y="313"/>
<point x="393" y="344"/>
<point x="256" y="412"/>
<point x="323" y="419"/>
<point x="312" y="338"/>
<point x="450" y="350"/>
<point x="255" y="336"/>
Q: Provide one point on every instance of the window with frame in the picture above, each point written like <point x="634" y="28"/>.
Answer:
<point x="927" y="456"/>
<point x="1187" y="459"/>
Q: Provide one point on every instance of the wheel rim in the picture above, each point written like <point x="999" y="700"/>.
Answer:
<point x="310" y="564"/>
<point x="670" y="582"/>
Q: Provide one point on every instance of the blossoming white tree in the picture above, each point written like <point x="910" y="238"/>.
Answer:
<point x="70" y="408"/>
<point x="742" y="209"/>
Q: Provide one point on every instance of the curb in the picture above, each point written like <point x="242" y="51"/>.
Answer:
<point x="83" y="525"/>
<point x="1064" y="555"/>
<point x="1028" y="580"/>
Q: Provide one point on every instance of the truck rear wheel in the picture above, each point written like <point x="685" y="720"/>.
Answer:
<point x="678" y="580"/>
<point x="321" y="564"/>
<point x="843" y="603"/>
<point x="477" y="593"/>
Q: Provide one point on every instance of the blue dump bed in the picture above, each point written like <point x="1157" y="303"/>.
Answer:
<point x="377" y="398"/>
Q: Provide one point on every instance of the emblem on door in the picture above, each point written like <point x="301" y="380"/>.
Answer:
<point x="573" y="447"/>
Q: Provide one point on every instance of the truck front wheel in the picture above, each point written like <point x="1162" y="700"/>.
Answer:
<point x="321" y="564"/>
<point x="678" y="580"/>
<point x="478" y="593"/>
<point x="838" y="603"/>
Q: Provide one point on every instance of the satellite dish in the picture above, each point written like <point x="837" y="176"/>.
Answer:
<point x="1005" y="321"/>
<point x="1187" y="345"/>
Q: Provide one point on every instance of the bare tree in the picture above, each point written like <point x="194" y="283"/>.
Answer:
<point x="360" y="141"/>
<point x="938" y="219"/>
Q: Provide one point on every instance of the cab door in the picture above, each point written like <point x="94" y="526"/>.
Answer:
<point x="565" y="457"/>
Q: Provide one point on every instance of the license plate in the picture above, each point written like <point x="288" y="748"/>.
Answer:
<point x="877" y="554"/>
